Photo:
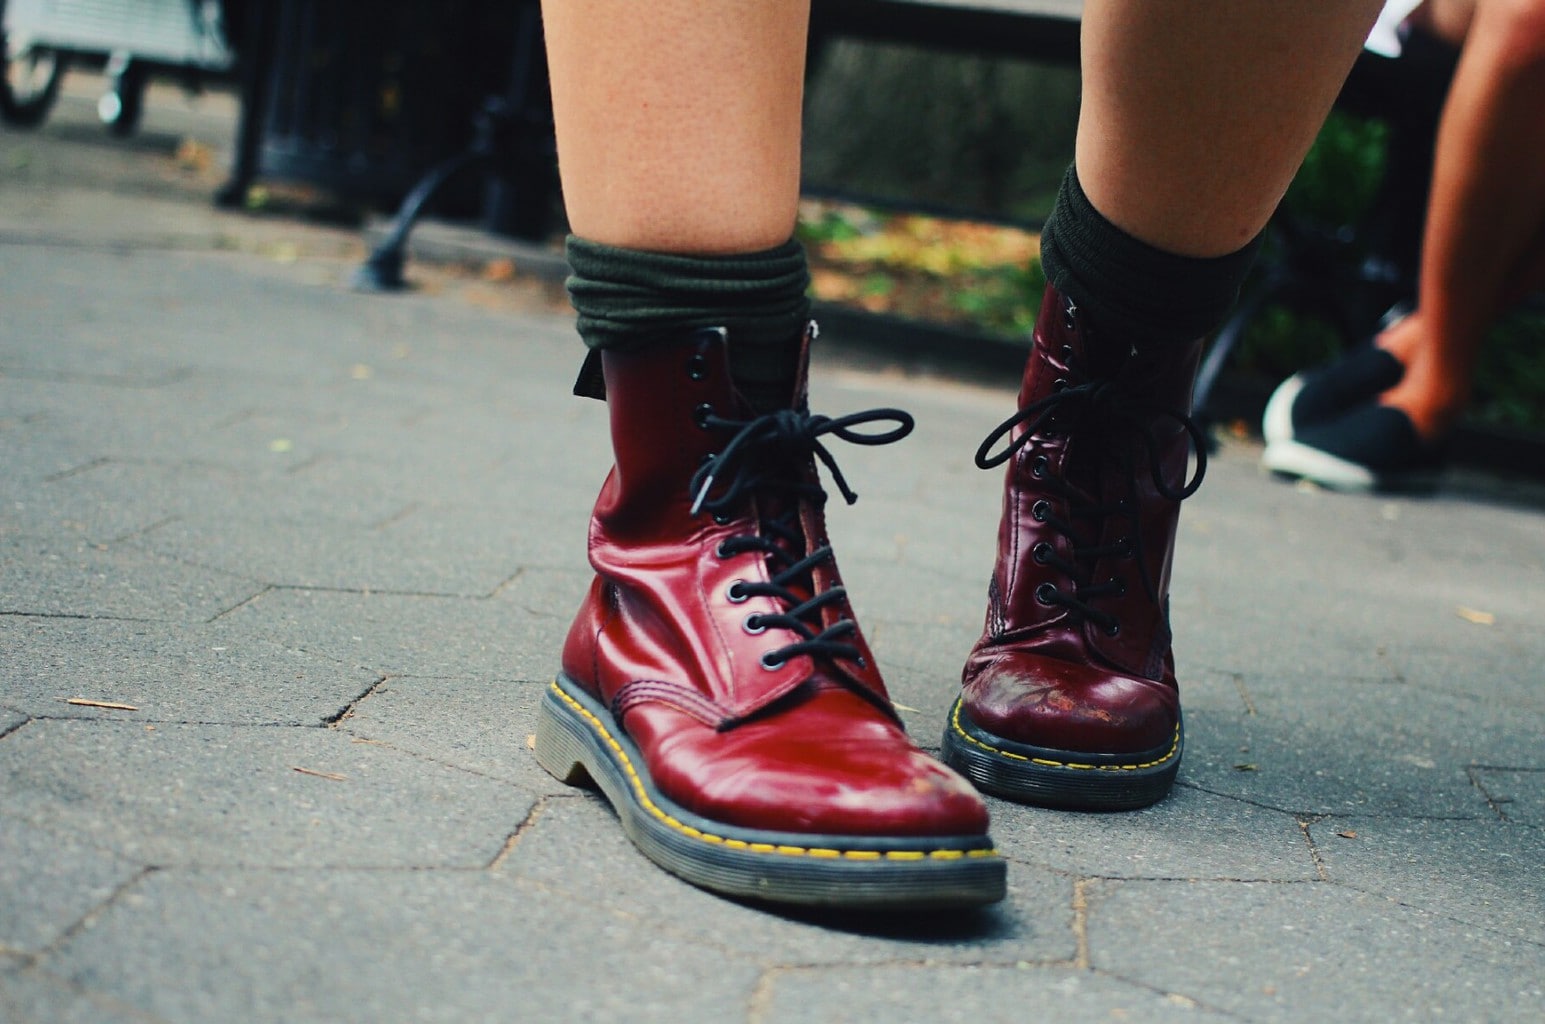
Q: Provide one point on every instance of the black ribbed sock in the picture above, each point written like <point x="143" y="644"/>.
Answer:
<point x="1129" y="287"/>
<point x="629" y="298"/>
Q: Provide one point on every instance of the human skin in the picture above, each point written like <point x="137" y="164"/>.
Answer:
<point x="679" y="120"/>
<point x="1483" y="245"/>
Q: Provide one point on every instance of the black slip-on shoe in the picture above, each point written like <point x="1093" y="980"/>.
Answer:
<point x="1325" y="392"/>
<point x="1372" y="447"/>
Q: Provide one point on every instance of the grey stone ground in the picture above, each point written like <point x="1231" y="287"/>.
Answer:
<point x="325" y="545"/>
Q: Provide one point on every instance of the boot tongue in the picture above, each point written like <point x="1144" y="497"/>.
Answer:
<point x="765" y="375"/>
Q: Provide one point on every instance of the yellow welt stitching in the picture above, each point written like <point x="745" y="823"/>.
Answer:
<point x="740" y="844"/>
<point x="961" y="732"/>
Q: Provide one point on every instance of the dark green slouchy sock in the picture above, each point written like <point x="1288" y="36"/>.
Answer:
<point x="628" y="298"/>
<point x="1129" y="287"/>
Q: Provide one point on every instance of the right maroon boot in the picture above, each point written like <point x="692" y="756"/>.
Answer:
<point x="715" y="685"/>
<point x="1069" y="699"/>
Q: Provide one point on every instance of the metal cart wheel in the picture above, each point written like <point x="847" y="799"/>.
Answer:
<point x="29" y="82"/>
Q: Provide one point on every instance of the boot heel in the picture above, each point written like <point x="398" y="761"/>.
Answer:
<point x="559" y="748"/>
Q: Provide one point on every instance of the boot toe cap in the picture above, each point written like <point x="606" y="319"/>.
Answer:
<point x="1052" y="704"/>
<point x="814" y="770"/>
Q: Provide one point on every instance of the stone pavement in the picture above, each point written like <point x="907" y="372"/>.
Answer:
<point x="322" y="548"/>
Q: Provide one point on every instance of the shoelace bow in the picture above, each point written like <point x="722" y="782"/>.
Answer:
<point x="1111" y="410"/>
<point x="766" y="456"/>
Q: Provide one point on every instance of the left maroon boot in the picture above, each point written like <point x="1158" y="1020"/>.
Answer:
<point x="715" y="683"/>
<point x="1069" y="699"/>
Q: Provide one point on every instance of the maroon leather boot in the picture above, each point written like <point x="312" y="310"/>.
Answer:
<point x="715" y="685"/>
<point x="1069" y="698"/>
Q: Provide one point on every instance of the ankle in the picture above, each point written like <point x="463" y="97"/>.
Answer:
<point x="1433" y="415"/>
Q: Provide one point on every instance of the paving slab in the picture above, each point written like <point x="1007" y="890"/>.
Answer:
<point x="573" y="847"/>
<point x="36" y="997"/>
<point x="1517" y="794"/>
<point x="476" y="723"/>
<point x="1192" y="834"/>
<point x="294" y="946"/>
<point x="252" y="796"/>
<point x="248" y="501"/>
<point x="416" y="634"/>
<point x="1359" y="747"/>
<point x="1309" y="951"/>
<point x="1488" y="874"/>
<point x="985" y="994"/>
<point x="65" y="577"/>
<point x="49" y="881"/>
<point x="208" y="674"/>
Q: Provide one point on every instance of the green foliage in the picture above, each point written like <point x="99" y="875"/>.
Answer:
<point x="1339" y="180"/>
<point x="1004" y="299"/>
<point x="1510" y="380"/>
<point x="1342" y="172"/>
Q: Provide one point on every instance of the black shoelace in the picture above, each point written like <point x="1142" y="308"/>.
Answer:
<point x="766" y="457"/>
<point x="1108" y="411"/>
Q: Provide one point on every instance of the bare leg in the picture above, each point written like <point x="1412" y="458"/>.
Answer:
<point x="1482" y="247"/>
<point x="679" y="120"/>
<point x="1196" y="116"/>
<point x="763" y="757"/>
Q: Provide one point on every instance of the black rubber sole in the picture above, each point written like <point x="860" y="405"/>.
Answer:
<point x="1061" y="779"/>
<point x="577" y="742"/>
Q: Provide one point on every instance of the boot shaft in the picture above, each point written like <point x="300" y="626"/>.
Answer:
<point x="709" y="544"/>
<point x="1097" y="465"/>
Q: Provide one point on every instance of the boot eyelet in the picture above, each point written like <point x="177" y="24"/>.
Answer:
<point x="1040" y="466"/>
<point x="735" y="593"/>
<point x="1040" y="510"/>
<point x="1113" y="630"/>
<point x="722" y="519"/>
<point x="1121" y="587"/>
<point x="1124" y="547"/>
<point x="1060" y="384"/>
<point x="1041" y="553"/>
<point x="1067" y="352"/>
<point x="720" y="552"/>
<point x="754" y="625"/>
<point x="697" y="367"/>
<point x="1046" y="593"/>
<point x="771" y="662"/>
<point x="700" y="415"/>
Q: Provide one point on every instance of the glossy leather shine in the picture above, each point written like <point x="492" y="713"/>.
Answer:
<point x="1045" y="675"/>
<point x="810" y="745"/>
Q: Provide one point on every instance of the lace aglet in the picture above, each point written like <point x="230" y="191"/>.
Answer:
<point x="702" y="495"/>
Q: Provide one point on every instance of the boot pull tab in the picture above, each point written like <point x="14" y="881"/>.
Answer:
<point x="591" y="382"/>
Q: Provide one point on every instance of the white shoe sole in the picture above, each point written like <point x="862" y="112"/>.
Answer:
<point x="1277" y="421"/>
<point x="1294" y="458"/>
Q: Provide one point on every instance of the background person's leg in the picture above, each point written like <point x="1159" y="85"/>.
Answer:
<point x="1378" y="417"/>
<point x="1486" y="216"/>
